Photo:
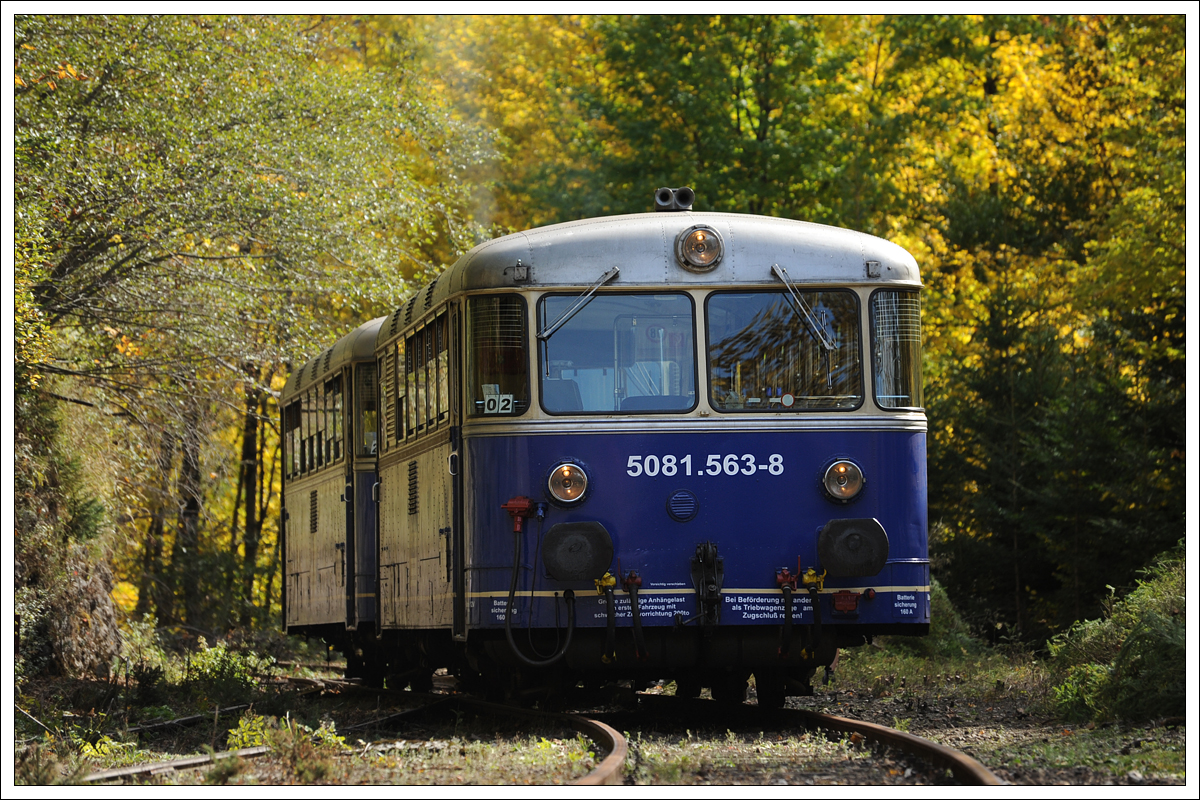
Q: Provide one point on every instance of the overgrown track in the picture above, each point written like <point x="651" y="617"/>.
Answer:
<point x="606" y="739"/>
<point x="965" y="769"/>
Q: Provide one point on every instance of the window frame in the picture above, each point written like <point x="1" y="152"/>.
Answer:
<point x="467" y="371"/>
<point x="920" y="348"/>
<point x="632" y="292"/>
<point x="783" y="294"/>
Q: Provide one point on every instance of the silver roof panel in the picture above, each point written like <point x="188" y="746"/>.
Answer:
<point x="356" y="346"/>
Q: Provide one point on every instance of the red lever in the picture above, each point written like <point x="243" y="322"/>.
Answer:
<point x="520" y="508"/>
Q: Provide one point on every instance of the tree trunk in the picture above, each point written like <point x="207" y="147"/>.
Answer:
<point x="251" y="465"/>
<point x="185" y="556"/>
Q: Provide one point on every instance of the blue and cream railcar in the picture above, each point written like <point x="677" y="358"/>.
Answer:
<point x="667" y="445"/>
<point x="329" y="476"/>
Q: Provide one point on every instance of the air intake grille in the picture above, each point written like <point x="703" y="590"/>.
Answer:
<point x="312" y="512"/>
<point x="682" y="505"/>
<point x="412" y="487"/>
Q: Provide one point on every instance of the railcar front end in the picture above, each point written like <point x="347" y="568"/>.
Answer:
<point x="679" y="445"/>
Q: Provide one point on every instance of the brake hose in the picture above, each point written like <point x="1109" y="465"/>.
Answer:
<point x="568" y="595"/>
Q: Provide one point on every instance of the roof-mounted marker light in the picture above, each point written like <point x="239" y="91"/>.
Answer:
<point x="699" y="248"/>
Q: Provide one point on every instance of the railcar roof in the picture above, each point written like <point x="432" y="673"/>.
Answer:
<point x="357" y="345"/>
<point x="576" y="254"/>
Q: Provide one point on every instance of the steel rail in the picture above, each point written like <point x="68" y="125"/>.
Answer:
<point x="170" y="766"/>
<point x="609" y="772"/>
<point x="966" y="769"/>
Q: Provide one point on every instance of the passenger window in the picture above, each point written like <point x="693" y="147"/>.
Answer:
<point x="291" y="436"/>
<point x="333" y="399"/>
<point x="498" y="356"/>
<point x="767" y="354"/>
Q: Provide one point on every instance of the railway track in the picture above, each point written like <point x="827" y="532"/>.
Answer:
<point x="607" y="740"/>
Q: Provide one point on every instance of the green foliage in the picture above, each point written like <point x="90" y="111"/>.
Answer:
<point x="949" y="635"/>
<point x="305" y="752"/>
<point x="61" y="597"/>
<point x="251" y="731"/>
<point x="1131" y="664"/>
<point x="201" y="200"/>
<point x="219" y="672"/>
<point x="223" y="770"/>
<point x="40" y="766"/>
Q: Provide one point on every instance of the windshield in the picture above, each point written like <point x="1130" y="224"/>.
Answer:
<point x="763" y="356"/>
<point x="621" y="353"/>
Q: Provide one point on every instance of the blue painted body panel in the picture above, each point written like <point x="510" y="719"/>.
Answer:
<point x="760" y="522"/>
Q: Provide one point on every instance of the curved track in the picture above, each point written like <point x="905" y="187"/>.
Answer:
<point x="965" y="769"/>
<point x="608" y="772"/>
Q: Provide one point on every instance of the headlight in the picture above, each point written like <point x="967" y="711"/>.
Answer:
<point x="699" y="248"/>
<point x="567" y="483"/>
<point x="843" y="481"/>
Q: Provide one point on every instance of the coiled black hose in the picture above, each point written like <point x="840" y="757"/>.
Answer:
<point x="568" y="595"/>
<point x="610" y="639"/>
<point x="786" y="644"/>
<point x="639" y="640"/>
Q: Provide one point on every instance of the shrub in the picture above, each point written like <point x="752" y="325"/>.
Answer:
<point x="949" y="635"/>
<point x="1130" y="664"/>
<point x="219" y="672"/>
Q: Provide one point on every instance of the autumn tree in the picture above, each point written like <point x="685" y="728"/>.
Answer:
<point x="207" y="199"/>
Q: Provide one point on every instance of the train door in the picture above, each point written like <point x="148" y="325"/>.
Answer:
<point x="361" y="437"/>
<point x="454" y="466"/>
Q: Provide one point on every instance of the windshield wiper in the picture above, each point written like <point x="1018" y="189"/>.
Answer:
<point x="584" y="299"/>
<point x="802" y="309"/>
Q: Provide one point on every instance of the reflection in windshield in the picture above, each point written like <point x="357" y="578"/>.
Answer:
<point x="620" y="353"/>
<point x="763" y="358"/>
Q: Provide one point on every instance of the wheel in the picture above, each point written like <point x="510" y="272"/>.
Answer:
<point x="368" y="667"/>
<point x="730" y="689"/>
<point x="687" y="686"/>
<point x="771" y="689"/>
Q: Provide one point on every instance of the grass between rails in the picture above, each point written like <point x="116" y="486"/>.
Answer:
<point x="657" y="759"/>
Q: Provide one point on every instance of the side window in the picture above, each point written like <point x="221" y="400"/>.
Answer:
<point x="366" y="412"/>
<point x="410" y="382"/>
<point x="306" y="432"/>
<point x="401" y="384"/>
<point x="896" y="348"/>
<point x="443" y="367"/>
<point x="497" y="356"/>
<point x="323" y="412"/>
<point x="291" y="437"/>
<point x="333" y="399"/>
